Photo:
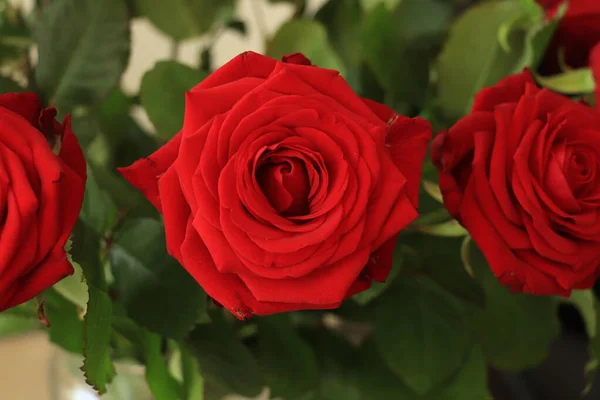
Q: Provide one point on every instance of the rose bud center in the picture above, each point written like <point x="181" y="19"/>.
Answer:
<point x="579" y="167"/>
<point x="285" y="183"/>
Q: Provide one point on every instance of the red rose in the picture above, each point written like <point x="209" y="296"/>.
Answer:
<point x="577" y="34"/>
<point x="521" y="175"/>
<point x="284" y="190"/>
<point x="40" y="197"/>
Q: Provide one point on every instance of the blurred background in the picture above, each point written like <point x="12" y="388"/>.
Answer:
<point x="30" y="366"/>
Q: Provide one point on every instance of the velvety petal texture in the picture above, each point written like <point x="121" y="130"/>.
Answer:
<point x="284" y="190"/>
<point x="42" y="181"/>
<point x="520" y="173"/>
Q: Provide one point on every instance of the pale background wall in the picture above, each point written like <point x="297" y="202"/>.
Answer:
<point x="25" y="360"/>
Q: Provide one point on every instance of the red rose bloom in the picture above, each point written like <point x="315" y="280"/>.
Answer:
<point x="284" y="190"/>
<point x="577" y="34"/>
<point x="40" y="197"/>
<point x="521" y="175"/>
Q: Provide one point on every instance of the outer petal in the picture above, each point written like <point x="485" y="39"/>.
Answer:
<point x="296" y="58"/>
<point x="322" y="287"/>
<point x="246" y="65"/>
<point x="145" y="172"/>
<point x="509" y="269"/>
<point x="508" y="90"/>
<point x="228" y="289"/>
<point x="407" y="140"/>
<point x="176" y="212"/>
<point x="52" y="270"/>
<point x="26" y="105"/>
<point x="381" y="260"/>
<point x="70" y="151"/>
<point x="381" y="110"/>
<point x="452" y="154"/>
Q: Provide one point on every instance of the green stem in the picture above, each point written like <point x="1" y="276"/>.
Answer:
<point x="175" y="46"/>
<point x="16" y="41"/>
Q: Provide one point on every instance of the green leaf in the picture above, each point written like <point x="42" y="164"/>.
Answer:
<point x="378" y="382"/>
<point x="341" y="19"/>
<point x="465" y="69"/>
<point x="399" y="46"/>
<point x="289" y="363"/>
<point x="309" y="38"/>
<point x="25" y="310"/>
<point x="515" y="330"/>
<point x="469" y="383"/>
<point x="433" y="190"/>
<point x="98" y="212"/>
<point x="19" y="319"/>
<point x="427" y="203"/>
<point x="7" y="85"/>
<point x="125" y="196"/>
<point x="585" y="302"/>
<point x="337" y="368"/>
<point x="80" y="65"/>
<point x="149" y="349"/>
<point x="444" y="266"/>
<point x="163" y="95"/>
<point x="422" y="333"/>
<point x="162" y="385"/>
<point x="86" y="127"/>
<point x="370" y="4"/>
<point x="591" y="369"/>
<point x="224" y="360"/>
<point x="142" y="268"/>
<point x="73" y="287"/>
<point x="193" y="383"/>
<point x="538" y="35"/>
<point x="182" y="19"/>
<point x="97" y="365"/>
<point x="128" y="141"/>
<point x="15" y="325"/>
<point x="445" y="229"/>
<point x="115" y="110"/>
<point x="14" y="34"/>
<point x="66" y="327"/>
<point x="575" y="81"/>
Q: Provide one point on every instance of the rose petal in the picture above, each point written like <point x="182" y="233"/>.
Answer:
<point x="144" y="173"/>
<point x="508" y="90"/>
<point x="407" y="140"/>
<point x="324" y="286"/>
<point x="27" y="105"/>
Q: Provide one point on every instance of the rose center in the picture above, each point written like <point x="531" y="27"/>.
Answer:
<point x="581" y="169"/>
<point x="285" y="183"/>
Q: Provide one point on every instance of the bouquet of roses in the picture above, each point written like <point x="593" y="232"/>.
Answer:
<point x="393" y="202"/>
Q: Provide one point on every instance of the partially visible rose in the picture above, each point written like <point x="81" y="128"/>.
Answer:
<point x="284" y="190"/>
<point x="521" y="174"/>
<point x="41" y="193"/>
<point x="577" y="34"/>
